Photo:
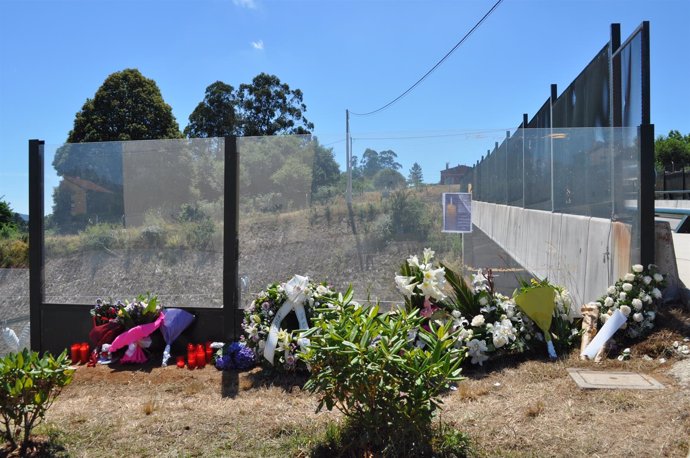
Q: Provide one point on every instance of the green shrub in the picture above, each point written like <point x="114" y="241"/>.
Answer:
<point x="153" y="236"/>
<point x="409" y="217"/>
<point x="14" y="253"/>
<point x="28" y="386"/>
<point x="383" y="372"/>
<point x="199" y="235"/>
<point x="99" y="236"/>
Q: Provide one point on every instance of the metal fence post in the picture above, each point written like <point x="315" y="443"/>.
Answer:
<point x="646" y="194"/>
<point x="231" y="305"/>
<point x="36" y="257"/>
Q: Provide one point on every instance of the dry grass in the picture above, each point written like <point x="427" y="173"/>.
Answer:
<point x="513" y="407"/>
<point x="508" y="408"/>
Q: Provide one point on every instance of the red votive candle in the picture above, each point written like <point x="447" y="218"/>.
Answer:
<point x="200" y="356"/>
<point x="75" y="353"/>
<point x="84" y="352"/>
<point x="180" y="362"/>
<point x="191" y="357"/>
<point x="209" y="354"/>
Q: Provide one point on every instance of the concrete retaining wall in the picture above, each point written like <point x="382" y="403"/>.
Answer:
<point x="581" y="253"/>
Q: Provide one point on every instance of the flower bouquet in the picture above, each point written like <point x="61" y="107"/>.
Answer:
<point x="104" y="312"/>
<point x="636" y="295"/>
<point x="235" y="356"/>
<point x="267" y="311"/>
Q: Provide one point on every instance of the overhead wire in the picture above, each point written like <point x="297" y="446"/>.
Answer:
<point x="419" y="81"/>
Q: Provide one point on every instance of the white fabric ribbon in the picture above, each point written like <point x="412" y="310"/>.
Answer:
<point x="295" y="291"/>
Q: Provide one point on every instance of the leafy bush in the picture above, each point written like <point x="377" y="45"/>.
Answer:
<point x="199" y="235"/>
<point x="14" y="253"/>
<point x="99" y="236"/>
<point x="383" y="372"/>
<point x="409" y="216"/>
<point x="154" y="236"/>
<point x="28" y="386"/>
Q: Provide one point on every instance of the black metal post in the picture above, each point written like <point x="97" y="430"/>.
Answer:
<point x="36" y="260"/>
<point x="645" y="80"/>
<point x="231" y="305"/>
<point x="646" y="194"/>
<point x="615" y="106"/>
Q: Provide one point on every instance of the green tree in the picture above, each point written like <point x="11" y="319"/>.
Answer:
<point x="215" y="116"/>
<point x="415" y="177"/>
<point x="326" y="170"/>
<point x="127" y="106"/>
<point x="387" y="160"/>
<point x="6" y="213"/>
<point x="388" y="179"/>
<point x="672" y="152"/>
<point x="269" y="107"/>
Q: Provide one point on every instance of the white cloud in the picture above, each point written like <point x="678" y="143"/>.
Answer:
<point x="251" y="4"/>
<point x="258" y="44"/>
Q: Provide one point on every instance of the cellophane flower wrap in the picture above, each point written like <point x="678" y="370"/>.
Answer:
<point x="142" y="310"/>
<point x="637" y="296"/>
<point x="260" y="313"/>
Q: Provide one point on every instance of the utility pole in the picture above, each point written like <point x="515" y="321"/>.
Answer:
<point x="348" y="196"/>
<point x="348" y="155"/>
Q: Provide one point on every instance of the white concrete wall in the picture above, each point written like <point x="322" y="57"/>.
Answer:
<point x="580" y="253"/>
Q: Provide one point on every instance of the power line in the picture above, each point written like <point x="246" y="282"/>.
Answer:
<point x="435" y="66"/>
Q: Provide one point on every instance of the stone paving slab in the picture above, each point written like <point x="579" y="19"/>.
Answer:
<point x="589" y="379"/>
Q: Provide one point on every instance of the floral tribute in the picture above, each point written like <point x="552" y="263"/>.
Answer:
<point x="487" y="322"/>
<point x="103" y="312"/>
<point x="237" y="355"/>
<point x="262" y="313"/>
<point x="637" y="296"/>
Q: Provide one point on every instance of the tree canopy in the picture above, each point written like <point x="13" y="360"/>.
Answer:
<point x="215" y="116"/>
<point x="415" y="177"/>
<point x="263" y="107"/>
<point x="127" y="106"/>
<point x="672" y="152"/>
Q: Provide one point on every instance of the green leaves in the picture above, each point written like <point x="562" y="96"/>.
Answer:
<point x="371" y="367"/>
<point x="28" y="386"/>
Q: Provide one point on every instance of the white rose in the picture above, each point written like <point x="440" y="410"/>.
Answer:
<point x="611" y="290"/>
<point x="637" y="304"/>
<point x="483" y="301"/>
<point x="608" y="302"/>
<point x="477" y="321"/>
<point x="647" y="279"/>
<point x="637" y="268"/>
<point x="638" y="317"/>
<point x="627" y="287"/>
<point x="603" y="317"/>
<point x="629" y="277"/>
<point x="622" y="296"/>
<point x="625" y="310"/>
<point x="656" y="293"/>
<point x="658" y="277"/>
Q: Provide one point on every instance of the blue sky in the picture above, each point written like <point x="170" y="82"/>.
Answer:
<point x="353" y="54"/>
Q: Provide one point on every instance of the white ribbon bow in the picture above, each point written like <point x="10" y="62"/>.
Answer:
<point x="296" y="291"/>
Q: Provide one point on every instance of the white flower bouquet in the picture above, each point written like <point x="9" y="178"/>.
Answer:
<point x="637" y="296"/>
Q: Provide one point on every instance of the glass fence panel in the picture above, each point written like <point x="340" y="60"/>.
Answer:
<point x="14" y="308"/>
<point x="537" y="171"/>
<point x="295" y="217"/>
<point x="127" y="218"/>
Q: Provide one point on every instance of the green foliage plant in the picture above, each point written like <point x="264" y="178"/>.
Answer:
<point x="384" y="372"/>
<point x="29" y="385"/>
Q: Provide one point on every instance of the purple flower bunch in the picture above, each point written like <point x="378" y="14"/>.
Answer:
<point x="236" y="356"/>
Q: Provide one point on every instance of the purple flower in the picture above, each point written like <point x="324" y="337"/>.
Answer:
<point x="244" y="358"/>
